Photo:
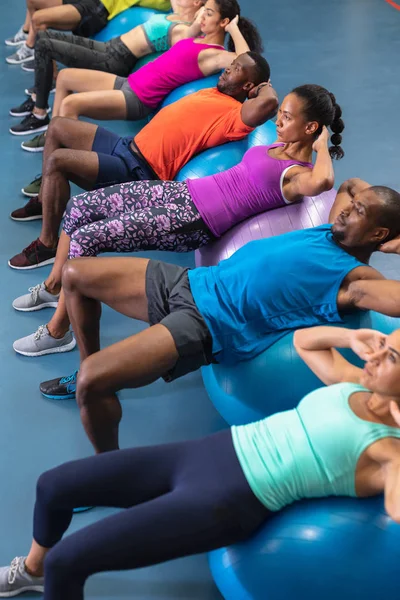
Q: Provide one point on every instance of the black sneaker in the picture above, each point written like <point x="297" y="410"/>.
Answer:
<point x="23" y="109"/>
<point x="33" y="256"/>
<point x="31" y="124"/>
<point x="29" y="65"/>
<point x="63" y="388"/>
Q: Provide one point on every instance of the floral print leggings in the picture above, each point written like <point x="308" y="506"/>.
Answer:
<point x="139" y="215"/>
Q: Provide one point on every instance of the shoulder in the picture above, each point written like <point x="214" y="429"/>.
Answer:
<point x="363" y="273"/>
<point x="385" y="450"/>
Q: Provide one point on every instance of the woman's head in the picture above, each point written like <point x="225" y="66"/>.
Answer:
<point x="186" y="5"/>
<point x="219" y="13"/>
<point x="305" y="111"/>
<point x="381" y="373"/>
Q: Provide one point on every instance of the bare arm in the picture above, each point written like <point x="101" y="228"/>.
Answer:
<point x="392" y="489"/>
<point x="316" y="346"/>
<point x="261" y="105"/>
<point x="346" y="192"/>
<point x="381" y="295"/>
<point x="311" y="182"/>
<point x="386" y="452"/>
<point x="190" y="31"/>
<point x="214" y="61"/>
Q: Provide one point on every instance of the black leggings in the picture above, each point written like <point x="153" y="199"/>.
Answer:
<point x="179" y="499"/>
<point x="74" y="51"/>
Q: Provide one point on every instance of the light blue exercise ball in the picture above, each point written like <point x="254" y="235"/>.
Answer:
<point x="190" y="88"/>
<point x="221" y="158"/>
<point x="324" y="549"/>
<point x="277" y="379"/>
<point x="125" y="21"/>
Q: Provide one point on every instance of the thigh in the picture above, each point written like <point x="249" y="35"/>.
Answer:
<point x="85" y="80"/>
<point x="96" y="105"/>
<point x="42" y="4"/>
<point x="72" y="135"/>
<point x="73" y="50"/>
<point x="65" y="17"/>
<point x="79" y="166"/>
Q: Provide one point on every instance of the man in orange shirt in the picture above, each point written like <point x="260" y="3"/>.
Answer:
<point x="93" y="157"/>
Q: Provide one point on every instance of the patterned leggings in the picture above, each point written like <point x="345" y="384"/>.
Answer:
<point x="140" y="215"/>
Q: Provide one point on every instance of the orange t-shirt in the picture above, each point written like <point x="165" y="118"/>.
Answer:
<point x="199" y="121"/>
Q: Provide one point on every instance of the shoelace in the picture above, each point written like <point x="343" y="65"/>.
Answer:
<point x="34" y="245"/>
<point x="35" y="291"/>
<point x="42" y="330"/>
<point x="69" y="378"/>
<point x="29" y="119"/>
<point x="14" y="567"/>
<point x="23" y="52"/>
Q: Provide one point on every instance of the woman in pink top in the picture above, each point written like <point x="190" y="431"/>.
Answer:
<point x="182" y="216"/>
<point x="106" y="96"/>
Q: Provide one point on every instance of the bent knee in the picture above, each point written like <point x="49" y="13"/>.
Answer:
<point x="72" y="274"/>
<point x="55" y="128"/>
<point x="56" y="162"/>
<point x="70" y="107"/>
<point x="89" y="384"/>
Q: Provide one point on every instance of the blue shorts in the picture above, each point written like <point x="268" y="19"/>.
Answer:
<point x="117" y="162"/>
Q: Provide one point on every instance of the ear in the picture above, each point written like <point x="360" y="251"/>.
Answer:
<point x="380" y="235"/>
<point x="312" y="128"/>
<point x="224" y="22"/>
<point x="248" y="86"/>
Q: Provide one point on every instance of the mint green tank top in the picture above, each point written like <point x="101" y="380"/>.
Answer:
<point x="158" y="31"/>
<point x="309" y="452"/>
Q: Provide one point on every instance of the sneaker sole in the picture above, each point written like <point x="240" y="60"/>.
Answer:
<point x="29" y="194"/>
<point x="39" y="149"/>
<point x="36" y="218"/>
<point x="34" y="308"/>
<point x="65" y="397"/>
<point x="58" y="350"/>
<point x="30" y="132"/>
<point x="22" y="114"/>
<point x="28" y="588"/>
<point x="50" y="261"/>
<point x="14" y="44"/>
<point x="28" y="69"/>
<point x="18" y="62"/>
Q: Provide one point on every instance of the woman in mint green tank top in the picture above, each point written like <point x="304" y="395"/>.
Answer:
<point x="191" y="497"/>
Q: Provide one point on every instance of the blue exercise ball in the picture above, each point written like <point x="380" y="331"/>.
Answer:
<point x="125" y="21"/>
<point x="190" y="88"/>
<point x="221" y="158"/>
<point x="277" y="379"/>
<point x="325" y="549"/>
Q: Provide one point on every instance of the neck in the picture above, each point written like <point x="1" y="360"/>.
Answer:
<point x="361" y="254"/>
<point x="299" y="151"/>
<point x="184" y="14"/>
<point x="218" y="37"/>
<point x="378" y="405"/>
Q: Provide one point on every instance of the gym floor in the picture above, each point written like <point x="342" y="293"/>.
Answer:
<point x="350" y="47"/>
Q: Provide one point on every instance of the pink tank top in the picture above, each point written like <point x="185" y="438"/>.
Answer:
<point x="179" y="65"/>
<point x="251" y="187"/>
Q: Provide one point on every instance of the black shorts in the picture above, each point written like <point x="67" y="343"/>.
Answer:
<point x="94" y="16"/>
<point x="170" y="302"/>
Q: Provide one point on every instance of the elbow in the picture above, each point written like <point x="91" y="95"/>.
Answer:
<point x="298" y="339"/>
<point x="324" y="184"/>
<point x="393" y="512"/>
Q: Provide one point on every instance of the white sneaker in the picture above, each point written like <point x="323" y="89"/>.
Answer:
<point x="22" y="55"/>
<point x="41" y="343"/>
<point x="15" y="580"/>
<point x="38" y="298"/>
<point x="19" y="38"/>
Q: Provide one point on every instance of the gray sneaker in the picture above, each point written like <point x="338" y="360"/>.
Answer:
<point x="22" y="55"/>
<point x="15" y="580"/>
<point x="38" y="298"/>
<point x="19" y="38"/>
<point x="41" y="343"/>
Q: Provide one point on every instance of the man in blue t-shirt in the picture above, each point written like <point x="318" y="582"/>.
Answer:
<point x="226" y="313"/>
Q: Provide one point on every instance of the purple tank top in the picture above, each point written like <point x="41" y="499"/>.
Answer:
<point x="179" y="65"/>
<point x="251" y="187"/>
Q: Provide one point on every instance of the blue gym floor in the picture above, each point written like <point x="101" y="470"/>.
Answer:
<point x="350" y="46"/>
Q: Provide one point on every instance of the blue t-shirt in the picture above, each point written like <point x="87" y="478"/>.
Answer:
<point x="269" y="287"/>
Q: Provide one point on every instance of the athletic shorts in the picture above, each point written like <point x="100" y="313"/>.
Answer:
<point x="94" y="16"/>
<point x="135" y="109"/>
<point x="170" y="302"/>
<point x="117" y="161"/>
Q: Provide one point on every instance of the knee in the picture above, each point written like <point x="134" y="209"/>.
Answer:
<point x="55" y="163"/>
<point x="62" y="80"/>
<point x="88" y="383"/>
<point x="47" y="489"/>
<point x="38" y="21"/>
<point x="55" y="129"/>
<point x="70" y="107"/>
<point x="71" y="276"/>
<point x="61" y="564"/>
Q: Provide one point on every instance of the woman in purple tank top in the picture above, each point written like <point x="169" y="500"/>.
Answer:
<point x="182" y="216"/>
<point x="107" y="96"/>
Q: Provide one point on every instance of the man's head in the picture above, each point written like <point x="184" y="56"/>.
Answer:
<point x="246" y="72"/>
<point x="371" y="218"/>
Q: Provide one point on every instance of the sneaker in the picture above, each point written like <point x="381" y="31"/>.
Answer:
<point x="41" y="343"/>
<point x="19" y="38"/>
<point x="32" y="190"/>
<point x="31" y="124"/>
<point x="16" y="580"/>
<point x="36" y="144"/>
<point x="32" y="90"/>
<point x="63" y="388"/>
<point x="33" y="256"/>
<point x="29" y="65"/>
<point x="32" y="211"/>
<point x="22" y="55"/>
<point x="37" y="299"/>
<point x="23" y="109"/>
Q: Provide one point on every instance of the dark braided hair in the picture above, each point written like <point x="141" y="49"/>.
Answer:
<point x="321" y="106"/>
<point x="228" y="9"/>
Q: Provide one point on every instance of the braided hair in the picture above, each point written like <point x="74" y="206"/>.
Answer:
<point x="228" y="9"/>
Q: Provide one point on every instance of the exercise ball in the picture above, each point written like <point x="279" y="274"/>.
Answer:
<point x="125" y="21"/>
<point x="310" y="212"/>
<point x="190" y="88"/>
<point x="277" y="379"/>
<point x="221" y="158"/>
<point x="146" y="59"/>
<point x="330" y="549"/>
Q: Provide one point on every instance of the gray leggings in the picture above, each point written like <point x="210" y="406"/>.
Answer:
<point x="74" y="51"/>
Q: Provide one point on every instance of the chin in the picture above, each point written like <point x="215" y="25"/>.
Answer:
<point x="338" y="234"/>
